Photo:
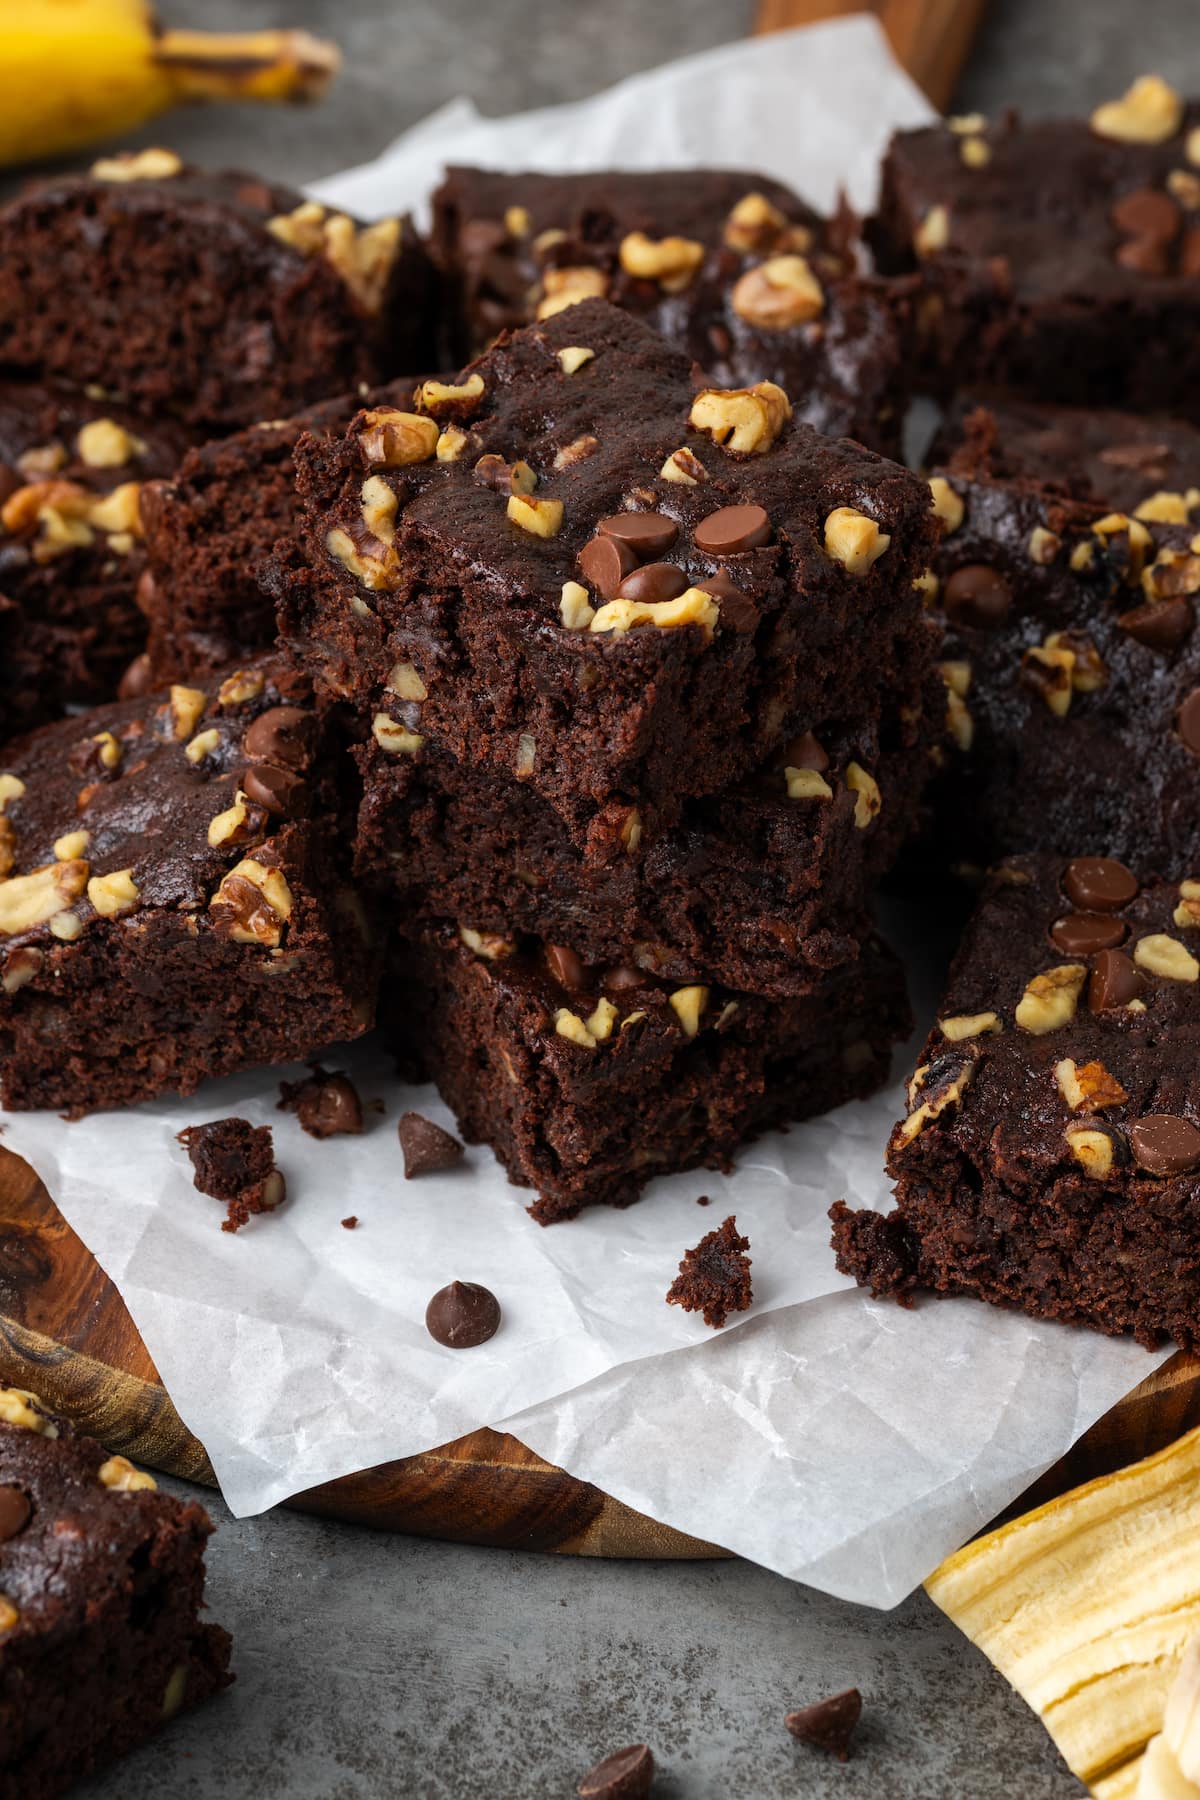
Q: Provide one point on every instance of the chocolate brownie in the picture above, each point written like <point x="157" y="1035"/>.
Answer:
<point x="209" y="530"/>
<point x="764" y="888"/>
<point x="573" y="568"/>
<point x="731" y="267"/>
<point x="714" y="1276"/>
<point x="1060" y="257"/>
<point x="72" y="469"/>
<point x="101" y="1590"/>
<point x="587" y="1084"/>
<point x="219" y="298"/>
<point x="1140" y="463"/>
<point x="1073" y="678"/>
<point x="173" y="905"/>
<point x="1050" y="1156"/>
<point x="234" y="1161"/>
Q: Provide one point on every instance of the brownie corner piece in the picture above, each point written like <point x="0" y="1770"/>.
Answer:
<point x="1050" y="1156"/>
<point x="623" y="566"/>
<point x="101" y="1592"/>
<point x="588" y="1081"/>
<point x="217" y="297"/>
<point x="174" y="904"/>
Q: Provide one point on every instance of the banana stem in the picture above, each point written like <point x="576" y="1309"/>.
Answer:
<point x="246" y="65"/>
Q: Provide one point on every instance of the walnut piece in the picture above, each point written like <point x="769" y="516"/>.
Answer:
<point x="459" y="398"/>
<point x="807" y="784"/>
<point x="853" y="539"/>
<point x="688" y="1005"/>
<point x="1158" y="954"/>
<point x="694" y="607"/>
<point x="138" y="165"/>
<point x="754" y="224"/>
<point x="778" y="294"/>
<point x="684" y="466"/>
<point x="567" y="287"/>
<point x="253" y="904"/>
<point x="1092" y="1149"/>
<point x="968" y="1025"/>
<point x="575" y="607"/>
<point x="34" y="899"/>
<point x="1050" y="999"/>
<point x="867" y="798"/>
<point x="1148" y="112"/>
<point x="1089" y="1088"/>
<point x="119" y="1474"/>
<point x="393" y="737"/>
<point x="540" y="518"/>
<point x="942" y="1084"/>
<point x="671" y="261"/>
<point x="242" y="685"/>
<point x="114" y="893"/>
<point x="186" y="706"/>
<point x="573" y="358"/>
<point x="19" y="1407"/>
<point x="391" y="439"/>
<point x="746" y="421"/>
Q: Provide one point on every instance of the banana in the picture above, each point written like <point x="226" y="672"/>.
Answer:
<point x="72" y="71"/>
<point x="1087" y="1606"/>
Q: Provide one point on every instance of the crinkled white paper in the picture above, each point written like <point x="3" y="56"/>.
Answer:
<point x="847" y="1444"/>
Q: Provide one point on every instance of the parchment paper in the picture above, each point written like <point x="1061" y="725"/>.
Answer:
<point x="847" y="1444"/>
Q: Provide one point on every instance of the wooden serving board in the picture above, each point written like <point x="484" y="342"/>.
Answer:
<point x="65" y="1334"/>
<point x="931" y="38"/>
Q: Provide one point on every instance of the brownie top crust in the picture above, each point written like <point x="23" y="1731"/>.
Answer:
<point x="583" y="453"/>
<point x="1078" y="211"/>
<point x="1068" y="1038"/>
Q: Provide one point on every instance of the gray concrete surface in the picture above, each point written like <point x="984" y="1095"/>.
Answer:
<point x="378" y="1668"/>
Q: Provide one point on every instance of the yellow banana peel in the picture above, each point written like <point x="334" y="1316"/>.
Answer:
<point x="74" y="71"/>
<point x="1087" y="1606"/>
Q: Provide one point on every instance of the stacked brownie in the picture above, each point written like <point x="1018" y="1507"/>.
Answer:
<point x="641" y="676"/>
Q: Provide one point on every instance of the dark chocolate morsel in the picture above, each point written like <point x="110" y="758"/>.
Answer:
<point x="625" y="1775"/>
<point x="427" y="1148"/>
<point x="282" y="734"/>
<point x="738" y="611"/>
<point x="1146" y="213"/>
<point x="1164" y="1144"/>
<point x="277" y="790"/>
<point x="1115" y="980"/>
<point x="136" y="680"/>
<point x="566" y="967"/>
<point x="828" y="1724"/>
<point x="1144" y="255"/>
<point x="977" y="595"/>
<point x="1189" y="722"/>
<point x="329" y="1106"/>
<point x="1083" y="933"/>
<point x="462" y="1315"/>
<point x="1098" y="883"/>
<point x="623" y="979"/>
<point x="1159" y="624"/>
<point x="646" y="533"/>
<point x="654" y="582"/>
<point x="15" y="1510"/>
<point x="605" y="562"/>
<point x="804" y="753"/>
<point x="732" y="528"/>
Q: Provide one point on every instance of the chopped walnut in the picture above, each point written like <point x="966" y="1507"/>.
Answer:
<point x="569" y="1025"/>
<point x="119" y="1474"/>
<point x="138" y="165"/>
<point x="947" y="503"/>
<point x="19" y="1407"/>
<point x="746" y="421"/>
<point x="567" y="287"/>
<point x="754" y="224"/>
<point x="1149" y="112"/>
<point x="694" y="607"/>
<point x="253" y="904"/>
<point x="807" y="784"/>
<point x="688" y="1005"/>
<point x="112" y="894"/>
<point x="867" y="798"/>
<point x="34" y="899"/>
<point x="933" y="233"/>
<point x="684" y="466"/>
<point x="488" y="944"/>
<point x="541" y="518"/>
<point x="459" y="398"/>
<point x="362" y="255"/>
<point x="103" y="444"/>
<point x="671" y="261"/>
<point x="405" y="682"/>
<point x="391" y="439"/>
<point x="185" y="707"/>
<point x="778" y="294"/>
<point x="573" y="358"/>
<point x="575" y="608"/>
<point x="969" y="1025"/>
<point x="238" y="688"/>
<point x="1050" y="999"/>
<point x="940" y="1084"/>
<point x="393" y="737"/>
<point x="1088" y="1089"/>
<point x="853" y="539"/>
<point x="1187" y="913"/>
<point x="1049" y="670"/>
<point x="1158" y="954"/>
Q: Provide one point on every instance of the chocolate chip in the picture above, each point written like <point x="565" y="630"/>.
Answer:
<point x="1115" y="980"/>
<point x="326" y="1105"/>
<point x="350" y="1224"/>
<point x="427" y="1148"/>
<point x="828" y="1724"/>
<point x="137" y="679"/>
<point x="277" y="790"/>
<point x="1098" y="883"/>
<point x="625" y="1775"/>
<point x="15" y="1510"/>
<point x="1159" y="624"/>
<point x="566" y="967"/>
<point x="653" y="583"/>
<point x="645" y="533"/>
<point x="1083" y="933"/>
<point x="732" y="528"/>
<point x="804" y="753"/>
<point x="1146" y="213"/>
<point x="282" y="734"/>
<point x="605" y="562"/>
<point x="738" y="611"/>
<point x="1145" y="256"/>
<point x="978" y="596"/>
<point x="463" y="1314"/>
<point x="1187" y="721"/>
<point x="623" y="979"/>
<point x="1165" y="1145"/>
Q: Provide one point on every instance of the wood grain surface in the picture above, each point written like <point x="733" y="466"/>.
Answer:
<point x="931" y="38"/>
<point x="65" y="1334"/>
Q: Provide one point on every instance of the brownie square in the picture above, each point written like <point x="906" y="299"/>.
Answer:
<point x="1060" y="257"/>
<point x="1142" y="463"/>
<point x="210" y="530"/>
<point x="73" y="469"/>
<point x="1049" y="1157"/>
<point x="1073" y="678"/>
<point x="173" y="905"/>
<point x="761" y="888"/>
<point x="731" y="267"/>
<point x="217" y="297"/>
<point x="588" y="1081"/>
<point x="101" y="1591"/>
<point x="575" y="569"/>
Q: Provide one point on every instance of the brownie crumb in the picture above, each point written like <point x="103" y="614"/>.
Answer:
<point x="234" y="1161"/>
<point x="714" y="1278"/>
<point x="327" y="1104"/>
<point x="877" y="1249"/>
<point x="703" y="1200"/>
<point x="625" y="1775"/>
<point x="427" y="1148"/>
<point x="828" y="1724"/>
<point x="350" y="1224"/>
